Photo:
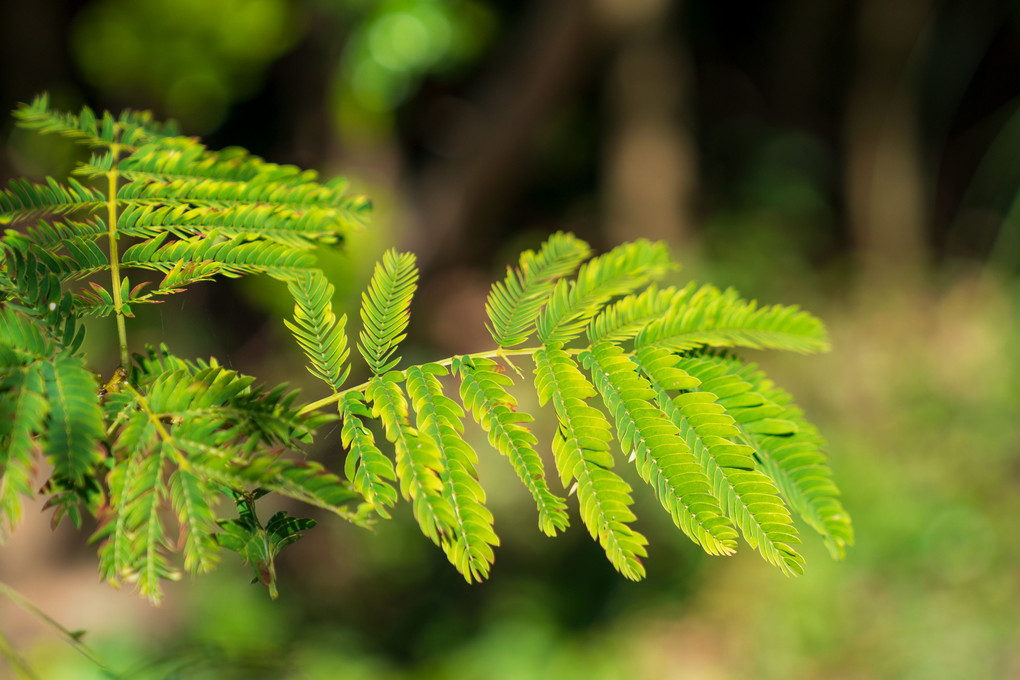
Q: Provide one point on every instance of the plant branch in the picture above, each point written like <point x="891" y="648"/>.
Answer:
<point x="118" y="301"/>
<point x="72" y="638"/>
<point x="15" y="660"/>
<point x="499" y="353"/>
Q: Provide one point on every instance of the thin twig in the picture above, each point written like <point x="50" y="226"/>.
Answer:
<point x="72" y="638"/>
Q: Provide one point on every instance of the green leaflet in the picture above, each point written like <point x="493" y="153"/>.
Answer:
<point x="703" y="316"/>
<point x="193" y="502"/>
<point x="24" y="200"/>
<point x="384" y="309"/>
<point x="581" y="448"/>
<point x="791" y="450"/>
<point x="316" y="328"/>
<point x="572" y="304"/>
<point x="418" y="461"/>
<point x="624" y="319"/>
<point x="663" y="459"/>
<point x="131" y="127"/>
<point x="748" y="496"/>
<point x="74" y="424"/>
<point x="22" y="414"/>
<point x="439" y="419"/>
<point x="368" y="469"/>
<point x="483" y="392"/>
<point x="514" y="303"/>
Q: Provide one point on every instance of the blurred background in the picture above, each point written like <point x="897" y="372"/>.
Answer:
<point x="860" y="158"/>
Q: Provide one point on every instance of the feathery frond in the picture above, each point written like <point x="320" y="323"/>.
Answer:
<point x="130" y="128"/>
<point x="385" y="309"/>
<point x="23" y="411"/>
<point x="439" y="418"/>
<point x="748" y="496"/>
<point x="316" y="328"/>
<point x="368" y="469"/>
<point x="193" y="501"/>
<point x="572" y="304"/>
<point x="791" y="450"/>
<point x="514" y="303"/>
<point x="704" y="316"/>
<point x="581" y="447"/>
<point x="24" y="200"/>
<point x="663" y="459"/>
<point x="418" y="461"/>
<point x="150" y="451"/>
<point x="74" y="424"/>
<point x="483" y="392"/>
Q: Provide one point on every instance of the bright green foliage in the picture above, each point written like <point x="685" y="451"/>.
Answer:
<point x="702" y="316"/>
<point x="747" y="495"/>
<point x="317" y="330"/>
<point x="469" y="540"/>
<point x="581" y="448"/>
<point x="368" y="469"/>
<point x="631" y="368"/>
<point x="418" y="459"/>
<point x="514" y="303"/>
<point x="663" y="459"/>
<point x="483" y="391"/>
<point x="791" y="449"/>
<point x="385" y="309"/>
<point x="573" y="303"/>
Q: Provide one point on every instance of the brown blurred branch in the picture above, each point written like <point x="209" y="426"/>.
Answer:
<point x="456" y="196"/>
<point x="885" y="180"/>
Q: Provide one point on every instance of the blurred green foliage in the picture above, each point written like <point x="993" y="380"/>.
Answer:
<point x="192" y="59"/>
<point x="393" y="45"/>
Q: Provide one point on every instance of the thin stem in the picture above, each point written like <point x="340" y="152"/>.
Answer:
<point x="72" y="638"/>
<point x="118" y="301"/>
<point x="157" y="423"/>
<point x="15" y="660"/>
<point x="499" y="353"/>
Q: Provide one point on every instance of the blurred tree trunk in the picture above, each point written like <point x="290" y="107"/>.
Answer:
<point x="549" y="57"/>
<point x="650" y="173"/>
<point x="885" y="178"/>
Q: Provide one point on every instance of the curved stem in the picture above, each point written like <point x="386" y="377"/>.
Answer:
<point x="15" y="660"/>
<point x="72" y="638"/>
<point x="498" y="353"/>
<point x="118" y="301"/>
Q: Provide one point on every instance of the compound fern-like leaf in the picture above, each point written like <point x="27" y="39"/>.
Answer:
<point x="385" y="309"/>
<point x="514" y="303"/>
<point x="23" y="199"/>
<point x="193" y="502"/>
<point x="440" y="419"/>
<point x="75" y="423"/>
<point x="581" y="448"/>
<point x="149" y="544"/>
<point x="747" y="495"/>
<point x="369" y="470"/>
<point x="418" y="463"/>
<point x="791" y="450"/>
<point x="704" y="316"/>
<point x="663" y="459"/>
<point x="129" y="128"/>
<point x="23" y="409"/>
<point x="317" y="329"/>
<point x="483" y="392"/>
<point x="624" y="319"/>
<point x="572" y="304"/>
